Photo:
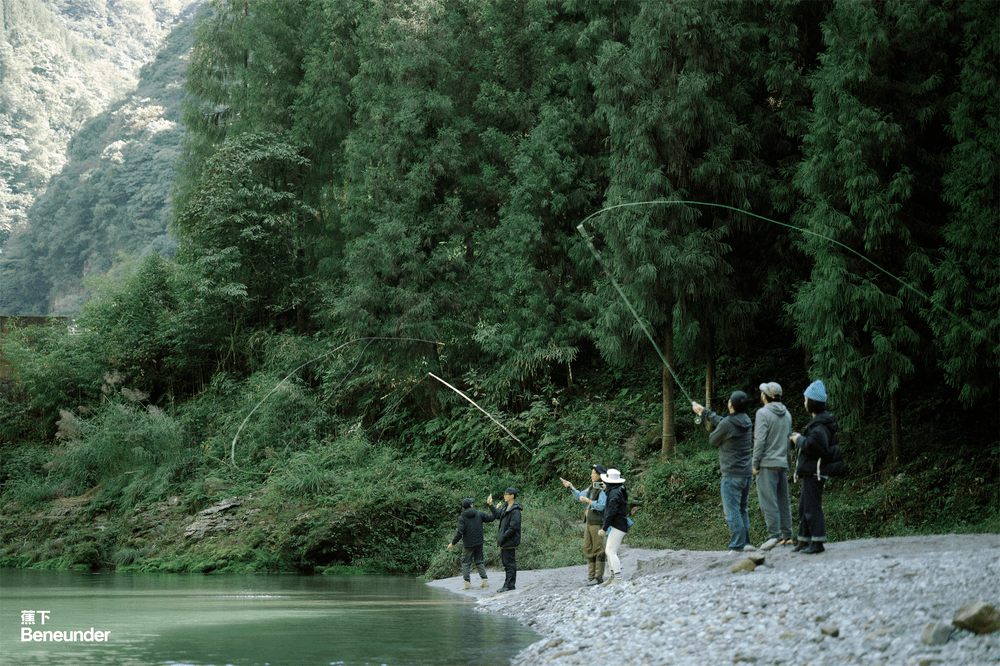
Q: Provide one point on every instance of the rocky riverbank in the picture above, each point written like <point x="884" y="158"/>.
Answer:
<point x="872" y="601"/>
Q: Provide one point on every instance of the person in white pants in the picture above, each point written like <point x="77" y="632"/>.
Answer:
<point x="616" y="522"/>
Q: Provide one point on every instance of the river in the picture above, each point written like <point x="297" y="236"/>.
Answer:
<point x="75" y="618"/>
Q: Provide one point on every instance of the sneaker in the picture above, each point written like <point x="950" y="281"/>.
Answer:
<point x="484" y="584"/>
<point x="787" y="542"/>
<point x="814" y="547"/>
<point x="769" y="544"/>
<point x="467" y="585"/>
<point x="612" y="580"/>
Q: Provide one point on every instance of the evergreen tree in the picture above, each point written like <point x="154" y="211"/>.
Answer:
<point x="869" y="178"/>
<point x="967" y="272"/>
<point x="686" y="100"/>
<point x="240" y="244"/>
<point x="543" y="155"/>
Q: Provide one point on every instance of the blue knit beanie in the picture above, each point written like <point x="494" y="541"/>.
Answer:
<point x="816" y="391"/>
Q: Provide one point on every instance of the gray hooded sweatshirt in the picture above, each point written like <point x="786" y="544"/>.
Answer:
<point x="732" y="437"/>
<point x="772" y="426"/>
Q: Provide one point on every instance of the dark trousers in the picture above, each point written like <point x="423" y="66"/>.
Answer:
<point x="812" y="522"/>
<point x="509" y="561"/>
<point x="472" y="556"/>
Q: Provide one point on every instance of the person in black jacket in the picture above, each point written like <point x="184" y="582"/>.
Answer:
<point x="616" y="522"/>
<point x="819" y="457"/>
<point x="508" y="534"/>
<point x="470" y="531"/>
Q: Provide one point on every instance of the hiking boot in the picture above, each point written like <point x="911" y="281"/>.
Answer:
<point x="593" y="581"/>
<point x="485" y="583"/>
<point x="801" y="545"/>
<point x="814" y="547"/>
<point x="769" y="544"/>
<point x="467" y="585"/>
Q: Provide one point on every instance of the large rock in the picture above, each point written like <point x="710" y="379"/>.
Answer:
<point x="215" y="518"/>
<point x="978" y="617"/>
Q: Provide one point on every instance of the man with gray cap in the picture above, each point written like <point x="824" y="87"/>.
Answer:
<point x="508" y="534"/>
<point x="772" y="426"/>
<point x="732" y="437"/>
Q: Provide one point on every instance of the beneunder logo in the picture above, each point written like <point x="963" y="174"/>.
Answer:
<point x="29" y="634"/>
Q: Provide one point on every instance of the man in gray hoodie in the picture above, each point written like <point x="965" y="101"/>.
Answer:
<point x="772" y="426"/>
<point x="732" y="437"/>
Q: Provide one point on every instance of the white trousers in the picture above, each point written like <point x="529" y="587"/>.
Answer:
<point x="615" y="537"/>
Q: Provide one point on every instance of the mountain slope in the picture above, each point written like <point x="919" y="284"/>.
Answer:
<point x="85" y="156"/>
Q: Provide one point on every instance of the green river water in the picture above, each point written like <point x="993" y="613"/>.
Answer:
<point x="243" y="620"/>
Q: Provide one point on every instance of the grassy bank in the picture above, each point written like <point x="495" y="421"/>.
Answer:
<point x="397" y="515"/>
<point x="305" y="485"/>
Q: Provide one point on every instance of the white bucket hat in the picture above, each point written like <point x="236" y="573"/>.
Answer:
<point x="613" y="476"/>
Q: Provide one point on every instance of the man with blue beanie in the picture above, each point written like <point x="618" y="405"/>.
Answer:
<point x="819" y="457"/>
<point x="733" y="437"/>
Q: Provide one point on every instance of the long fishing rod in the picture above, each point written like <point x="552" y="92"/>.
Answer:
<point x="232" y="452"/>
<point x="473" y="403"/>
<point x="635" y="314"/>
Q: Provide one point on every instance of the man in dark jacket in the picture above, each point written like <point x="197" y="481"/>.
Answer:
<point x="733" y="437"/>
<point x="819" y="457"/>
<point x="470" y="531"/>
<point x="508" y="534"/>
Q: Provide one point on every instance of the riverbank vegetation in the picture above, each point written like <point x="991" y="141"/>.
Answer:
<point x="377" y="197"/>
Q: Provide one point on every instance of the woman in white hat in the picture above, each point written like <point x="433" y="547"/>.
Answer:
<point x="616" y="522"/>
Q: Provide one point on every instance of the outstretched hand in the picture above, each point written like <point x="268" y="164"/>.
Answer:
<point x="696" y="408"/>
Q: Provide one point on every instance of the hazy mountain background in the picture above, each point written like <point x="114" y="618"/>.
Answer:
<point x="90" y="94"/>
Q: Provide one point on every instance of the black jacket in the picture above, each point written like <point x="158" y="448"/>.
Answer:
<point x="616" y="510"/>
<point x="509" y="531"/>
<point x="818" y="443"/>
<point x="470" y="527"/>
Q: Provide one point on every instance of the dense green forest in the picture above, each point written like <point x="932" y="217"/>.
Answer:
<point x="582" y="214"/>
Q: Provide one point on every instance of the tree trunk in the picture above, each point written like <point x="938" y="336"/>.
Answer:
<point x="897" y="432"/>
<point x="709" y="371"/>
<point x="669" y="439"/>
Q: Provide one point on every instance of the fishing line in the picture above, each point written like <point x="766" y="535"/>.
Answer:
<point x="232" y="453"/>
<point x="473" y="402"/>
<point x="788" y="226"/>
<point x="580" y="228"/>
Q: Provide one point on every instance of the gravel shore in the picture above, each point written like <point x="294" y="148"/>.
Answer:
<point x="872" y="601"/>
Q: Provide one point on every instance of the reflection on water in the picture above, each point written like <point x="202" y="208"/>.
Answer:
<point x="272" y="620"/>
